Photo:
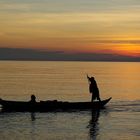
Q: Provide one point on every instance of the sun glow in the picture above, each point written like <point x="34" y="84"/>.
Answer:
<point x="129" y="49"/>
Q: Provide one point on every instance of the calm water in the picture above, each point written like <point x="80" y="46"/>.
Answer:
<point x="67" y="81"/>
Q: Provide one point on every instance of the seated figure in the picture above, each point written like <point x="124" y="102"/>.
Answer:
<point x="33" y="99"/>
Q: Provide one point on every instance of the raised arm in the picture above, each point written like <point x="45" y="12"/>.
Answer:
<point x="88" y="77"/>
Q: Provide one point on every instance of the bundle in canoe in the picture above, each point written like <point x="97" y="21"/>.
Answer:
<point x="44" y="106"/>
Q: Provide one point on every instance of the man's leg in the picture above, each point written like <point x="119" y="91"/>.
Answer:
<point x="98" y="97"/>
<point x="92" y="98"/>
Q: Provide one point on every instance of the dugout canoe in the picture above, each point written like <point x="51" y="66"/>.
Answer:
<point x="44" y="106"/>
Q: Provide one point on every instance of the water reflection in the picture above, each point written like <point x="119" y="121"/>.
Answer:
<point x="33" y="117"/>
<point x="94" y="124"/>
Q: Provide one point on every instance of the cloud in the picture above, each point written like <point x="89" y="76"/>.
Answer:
<point x="32" y="54"/>
<point x="69" y="6"/>
<point x="137" y="42"/>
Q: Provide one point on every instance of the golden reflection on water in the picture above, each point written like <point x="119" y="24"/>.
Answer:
<point x="67" y="80"/>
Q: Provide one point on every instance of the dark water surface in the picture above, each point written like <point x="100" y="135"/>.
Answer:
<point x="66" y="81"/>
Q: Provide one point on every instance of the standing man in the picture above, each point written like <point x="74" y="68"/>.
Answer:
<point x="93" y="88"/>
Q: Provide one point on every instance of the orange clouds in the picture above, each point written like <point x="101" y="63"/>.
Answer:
<point x="47" y="26"/>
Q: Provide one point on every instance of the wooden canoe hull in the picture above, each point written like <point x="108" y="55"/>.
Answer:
<point x="44" y="106"/>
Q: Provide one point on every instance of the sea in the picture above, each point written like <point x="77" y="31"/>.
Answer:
<point x="67" y="81"/>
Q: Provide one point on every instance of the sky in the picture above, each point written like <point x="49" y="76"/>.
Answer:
<point x="98" y="27"/>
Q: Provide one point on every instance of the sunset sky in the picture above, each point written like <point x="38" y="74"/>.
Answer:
<point x="72" y="26"/>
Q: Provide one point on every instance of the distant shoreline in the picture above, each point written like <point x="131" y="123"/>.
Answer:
<point x="18" y="54"/>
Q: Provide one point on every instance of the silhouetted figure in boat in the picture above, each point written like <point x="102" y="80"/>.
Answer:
<point x="93" y="89"/>
<point x="33" y="99"/>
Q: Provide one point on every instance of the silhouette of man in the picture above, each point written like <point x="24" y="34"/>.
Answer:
<point x="93" y="88"/>
<point x="33" y="99"/>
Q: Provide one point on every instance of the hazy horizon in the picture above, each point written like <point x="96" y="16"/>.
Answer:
<point x="34" y="54"/>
